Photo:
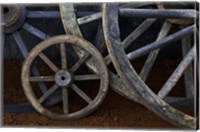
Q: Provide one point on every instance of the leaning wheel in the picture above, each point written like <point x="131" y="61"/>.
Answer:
<point x="65" y="78"/>
<point x="72" y="25"/>
<point x="127" y="72"/>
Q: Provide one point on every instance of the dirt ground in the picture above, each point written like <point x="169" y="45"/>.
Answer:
<point x="115" y="112"/>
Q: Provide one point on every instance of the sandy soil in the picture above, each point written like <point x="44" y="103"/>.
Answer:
<point x="115" y="112"/>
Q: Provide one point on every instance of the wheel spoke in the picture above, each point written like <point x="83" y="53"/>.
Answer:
<point x="80" y="62"/>
<point x="89" y="18"/>
<point x="63" y="56"/>
<point x="48" y="93"/>
<point x="20" y="43"/>
<point x="81" y="93"/>
<point x="42" y="79"/>
<point x="99" y="39"/>
<point x="137" y="32"/>
<point x="43" y="14"/>
<point x="24" y="52"/>
<point x="54" y="14"/>
<point x="134" y="35"/>
<point x="153" y="55"/>
<point x="161" y="43"/>
<point x="135" y="4"/>
<point x="35" y="31"/>
<point x="157" y="13"/>
<point x="65" y="98"/>
<point x="171" y="82"/>
<point x="49" y="62"/>
<point x="86" y="77"/>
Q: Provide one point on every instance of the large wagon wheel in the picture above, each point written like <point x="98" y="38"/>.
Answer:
<point x="72" y="24"/>
<point x="16" y="20"/>
<point x="65" y="78"/>
<point x="128" y="74"/>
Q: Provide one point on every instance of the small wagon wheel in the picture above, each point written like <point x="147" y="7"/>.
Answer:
<point x="16" y="21"/>
<point x="128" y="74"/>
<point x="65" y="78"/>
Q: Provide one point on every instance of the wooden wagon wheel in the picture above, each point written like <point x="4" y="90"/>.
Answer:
<point x="16" y="19"/>
<point x="71" y="25"/>
<point x="65" y="78"/>
<point x="129" y="76"/>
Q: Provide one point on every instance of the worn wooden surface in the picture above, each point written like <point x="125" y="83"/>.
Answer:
<point x="131" y="78"/>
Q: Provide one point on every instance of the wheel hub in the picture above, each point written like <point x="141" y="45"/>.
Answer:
<point x="63" y="78"/>
<point x="13" y="17"/>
